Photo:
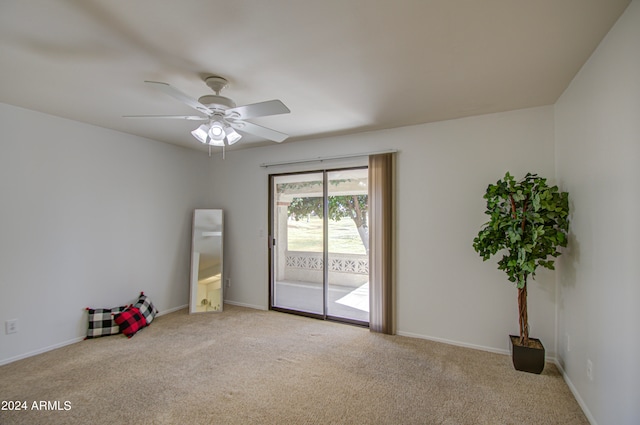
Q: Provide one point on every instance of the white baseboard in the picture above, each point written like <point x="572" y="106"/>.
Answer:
<point x="256" y="307"/>
<point x="171" y="310"/>
<point x="576" y="394"/>
<point x="456" y="343"/>
<point x="40" y="350"/>
<point x="548" y="358"/>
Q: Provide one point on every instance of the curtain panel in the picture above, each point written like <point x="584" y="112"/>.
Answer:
<point x="381" y="243"/>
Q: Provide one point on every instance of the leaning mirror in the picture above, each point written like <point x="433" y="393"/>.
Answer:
<point x="206" y="262"/>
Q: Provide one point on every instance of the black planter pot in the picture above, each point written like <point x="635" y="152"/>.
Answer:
<point x="527" y="359"/>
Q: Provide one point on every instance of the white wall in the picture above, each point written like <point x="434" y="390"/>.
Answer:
<point x="598" y="156"/>
<point x="88" y="217"/>
<point x="444" y="290"/>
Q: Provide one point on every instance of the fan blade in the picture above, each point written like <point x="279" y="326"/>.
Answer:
<point x="261" y="109"/>
<point x="177" y="94"/>
<point x="260" y="131"/>
<point x="177" y="117"/>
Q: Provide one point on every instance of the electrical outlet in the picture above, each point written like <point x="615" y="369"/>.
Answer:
<point x="227" y="282"/>
<point x="11" y="326"/>
<point x="590" y="370"/>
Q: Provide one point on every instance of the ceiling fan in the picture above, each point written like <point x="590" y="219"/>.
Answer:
<point x="221" y="115"/>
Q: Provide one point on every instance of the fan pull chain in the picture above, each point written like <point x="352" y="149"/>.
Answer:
<point x="209" y="151"/>
<point x="222" y="151"/>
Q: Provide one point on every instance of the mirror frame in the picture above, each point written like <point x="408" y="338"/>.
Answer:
<point x="207" y="233"/>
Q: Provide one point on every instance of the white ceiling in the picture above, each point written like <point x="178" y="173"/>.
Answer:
<point x="341" y="66"/>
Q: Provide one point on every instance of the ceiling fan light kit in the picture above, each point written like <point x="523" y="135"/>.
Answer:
<point x="221" y="114"/>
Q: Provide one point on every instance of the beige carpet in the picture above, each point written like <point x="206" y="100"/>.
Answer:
<point x="247" y="366"/>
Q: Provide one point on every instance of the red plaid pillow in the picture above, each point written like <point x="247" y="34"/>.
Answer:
<point x="130" y="321"/>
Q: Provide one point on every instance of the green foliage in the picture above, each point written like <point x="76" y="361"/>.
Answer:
<point x="351" y="206"/>
<point x="346" y="206"/>
<point x="528" y="221"/>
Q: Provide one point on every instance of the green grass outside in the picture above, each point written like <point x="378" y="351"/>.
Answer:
<point x="306" y="235"/>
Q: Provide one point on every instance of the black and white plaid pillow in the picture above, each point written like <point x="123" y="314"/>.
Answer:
<point x="101" y="322"/>
<point x="146" y="307"/>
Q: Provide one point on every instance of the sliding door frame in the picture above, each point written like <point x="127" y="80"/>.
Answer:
<point x="325" y="247"/>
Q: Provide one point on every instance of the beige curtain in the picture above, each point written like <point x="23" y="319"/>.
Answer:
<point x="381" y="243"/>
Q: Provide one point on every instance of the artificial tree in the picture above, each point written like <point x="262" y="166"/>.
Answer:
<point x="529" y="221"/>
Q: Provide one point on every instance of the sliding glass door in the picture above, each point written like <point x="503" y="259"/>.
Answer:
<point x="348" y="245"/>
<point x="319" y="244"/>
<point x="297" y="243"/>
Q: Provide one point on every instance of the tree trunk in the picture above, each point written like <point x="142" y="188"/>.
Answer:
<point x="522" y="313"/>
<point x="363" y="231"/>
<point x="360" y="219"/>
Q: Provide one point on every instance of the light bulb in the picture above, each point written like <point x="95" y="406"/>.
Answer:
<point x="216" y="132"/>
